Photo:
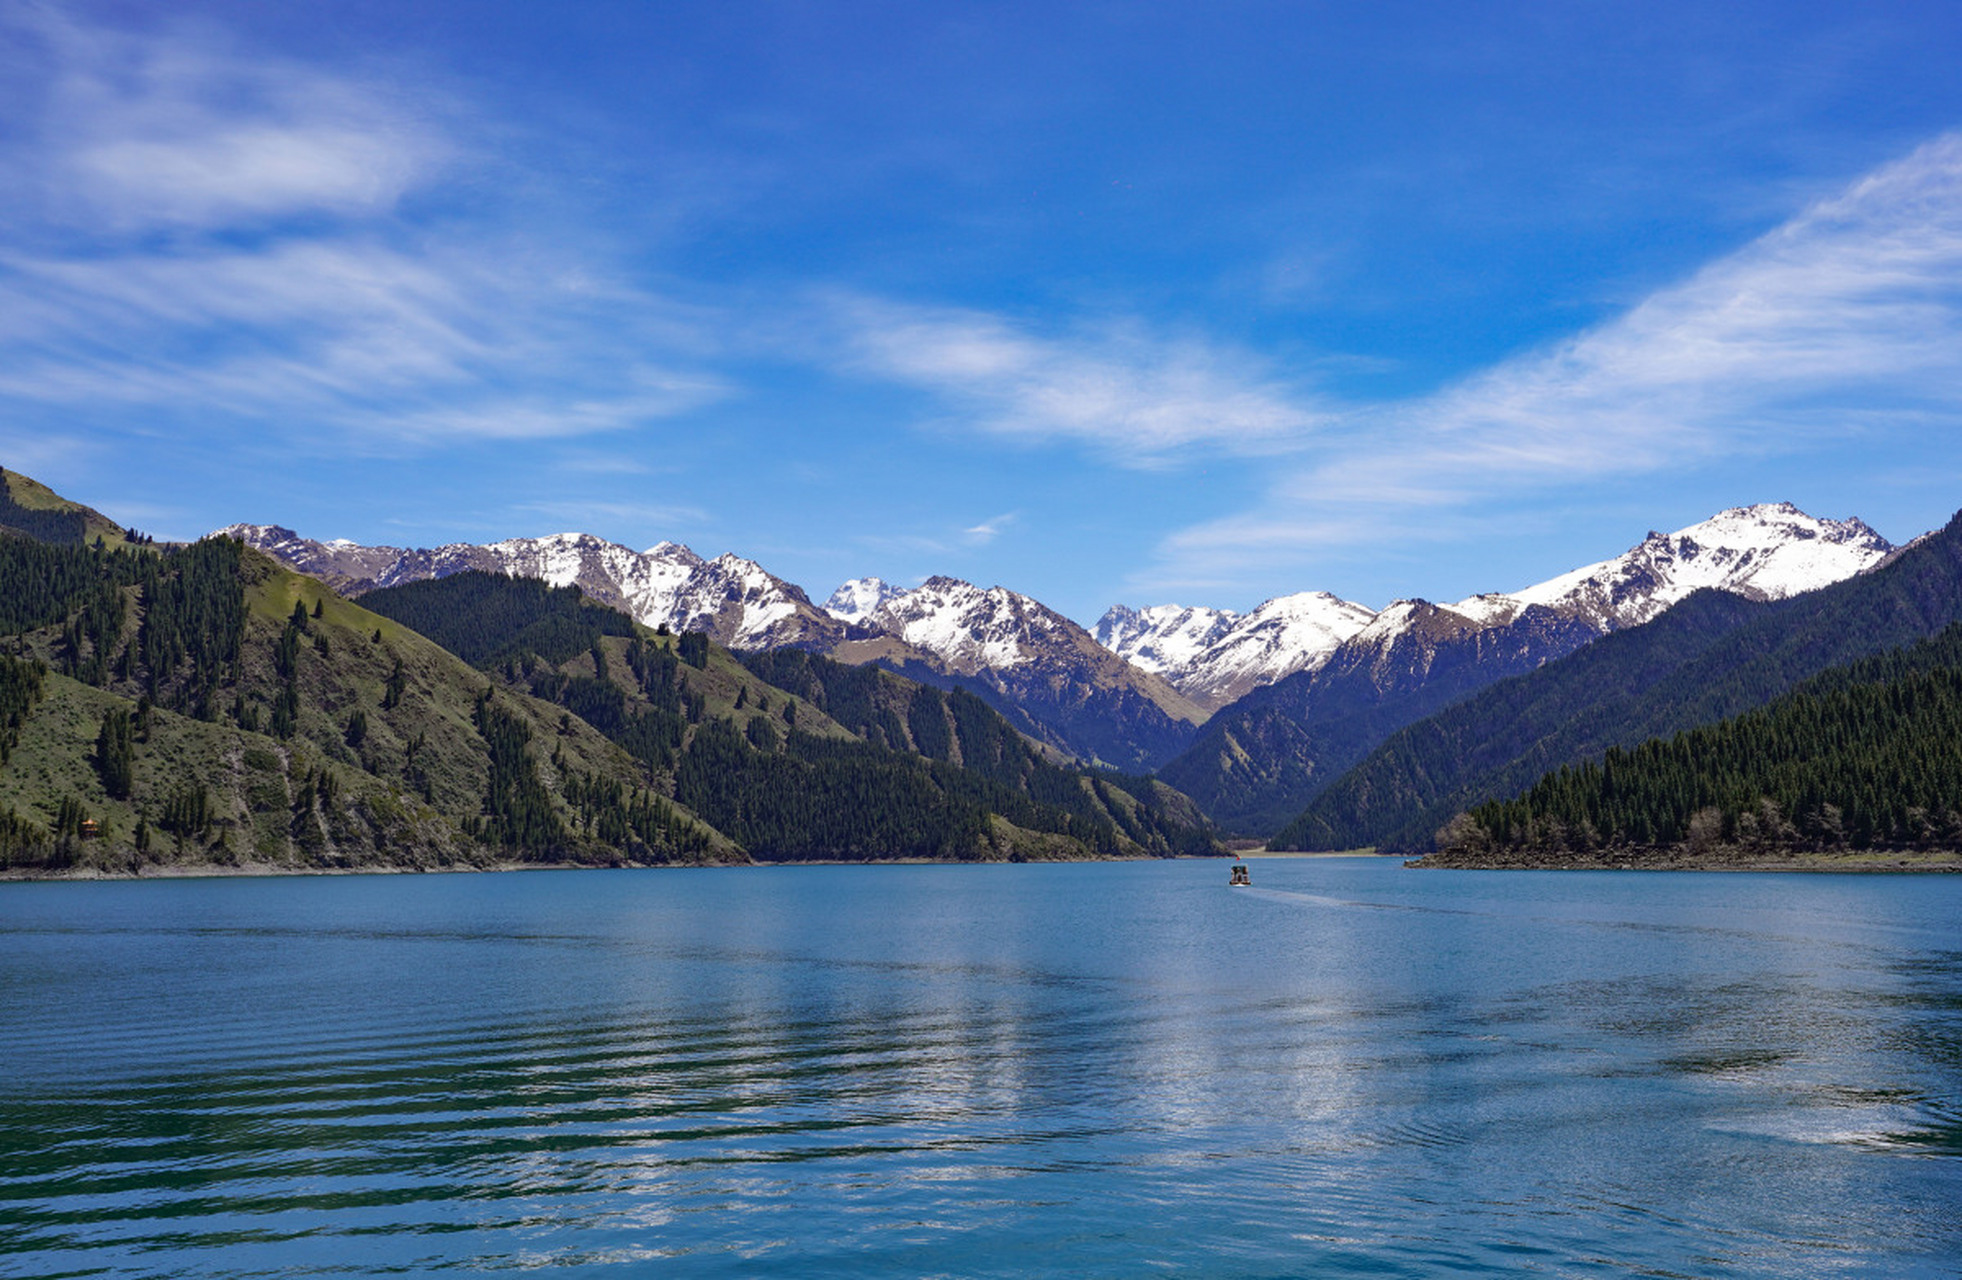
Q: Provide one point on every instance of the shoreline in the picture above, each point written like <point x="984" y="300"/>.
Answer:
<point x="1858" y="862"/>
<point x="1861" y="863"/>
<point x="272" y="870"/>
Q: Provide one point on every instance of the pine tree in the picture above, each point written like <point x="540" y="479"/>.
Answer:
<point x="115" y="753"/>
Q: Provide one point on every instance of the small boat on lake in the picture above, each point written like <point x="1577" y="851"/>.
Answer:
<point x="1240" y="880"/>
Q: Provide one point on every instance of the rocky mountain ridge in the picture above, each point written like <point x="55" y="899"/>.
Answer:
<point x="1764" y="552"/>
<point x="1039" y="668"/>
<point x="735" y="601"/>
<point x="1134" y="693"/>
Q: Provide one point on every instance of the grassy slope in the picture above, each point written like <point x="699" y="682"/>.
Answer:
<point x="380" y="818"/>
<point x="35" y="496"/>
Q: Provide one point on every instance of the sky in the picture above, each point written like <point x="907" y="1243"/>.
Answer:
<point x="1103" y="302"/>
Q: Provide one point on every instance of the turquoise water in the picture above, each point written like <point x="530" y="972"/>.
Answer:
<point x="1106" y="1070"/>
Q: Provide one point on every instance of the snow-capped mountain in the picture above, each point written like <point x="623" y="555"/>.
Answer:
<point x="1053" y="680"/>
<point x="1163" y="637"/>
<point x="1131" y="694"/>
<point x="1049" y="674"/>
<point x="1765" y="552"/>
<point x="856" y="600"/>
<point x="1265" y="756"/>
<point x="1214" y="656"/>
<point x="971" y="629"/>
<point x="734" y="600"/>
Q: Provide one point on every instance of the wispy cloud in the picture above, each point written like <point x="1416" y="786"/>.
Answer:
<point x="140" y="134"/>
<point x="988" y="530"/>
<point x="1134" y="395"/>
<point x="231" y="237"/>
<point x="1845" y="321"/>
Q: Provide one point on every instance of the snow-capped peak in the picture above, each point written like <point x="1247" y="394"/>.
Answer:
<point x="859" y="599"/>
<point x="1215" y="655"/>
<point x="735" y="600"/>
<point x="967" y="627"/>
<point x="1767" y="552"/>
<point x="1162" y="637"/>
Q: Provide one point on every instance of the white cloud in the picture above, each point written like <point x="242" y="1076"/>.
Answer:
<point x="988" y="530"/>
<point x="183" y="132"/>
<point x="223" y="237"/>
<point x="1138" y="397"/>
<point x="1844" y="322"/>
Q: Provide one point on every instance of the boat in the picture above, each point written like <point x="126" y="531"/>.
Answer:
<point x="1240" y="880"/>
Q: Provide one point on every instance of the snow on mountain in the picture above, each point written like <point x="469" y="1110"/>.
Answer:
<point x="1049" y="674"/>
<point x="1765" y="552"/>
<point x="857" y="600"/>
<point x="1167" y="663"/>
<point x="734" y="600"/>
<point x="1215" y="655"/>
<point x="969" y="628"/>
<point x="1162" y="637"/>
<point x="1283" y="636"/>
<point x="340" y="563"/>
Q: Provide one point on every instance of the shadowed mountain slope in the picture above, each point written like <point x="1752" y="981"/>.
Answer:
<point x="1714" y="655"/>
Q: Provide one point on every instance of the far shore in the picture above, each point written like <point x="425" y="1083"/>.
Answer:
<point x="1876" y="862"/>
<point x="1865" y="861"/>
<point x="235" y="870"/>
<point x="1244" y="854"/>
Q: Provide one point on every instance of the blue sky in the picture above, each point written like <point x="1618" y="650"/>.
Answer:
<point x="1201" y="303"/>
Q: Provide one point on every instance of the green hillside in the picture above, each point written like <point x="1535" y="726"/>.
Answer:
<point x="792" y="755"/>
<point x="31" y="509"/>
<point x="200" y="706"/>
<point x="1862" y="757"/>
<point x="1711" y="656"/>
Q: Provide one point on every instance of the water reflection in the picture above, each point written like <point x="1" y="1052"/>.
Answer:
<point x="1100" y="1070"/>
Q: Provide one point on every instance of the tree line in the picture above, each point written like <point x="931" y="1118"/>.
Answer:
<point x="1866" y="756"/>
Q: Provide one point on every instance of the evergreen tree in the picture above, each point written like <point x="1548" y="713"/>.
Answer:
<point x="115" y="753"/>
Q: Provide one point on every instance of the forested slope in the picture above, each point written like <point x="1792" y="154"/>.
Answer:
<point x="1862" y="757"/>
<point x="201" y="706"/>
<point x="793" y="755"/>
<point x="1711" y="656"/>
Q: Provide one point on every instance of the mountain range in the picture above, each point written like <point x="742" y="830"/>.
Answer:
<point x="707" y="709"/>
<point x="1258" y="762"/>
<point x="1714" y="655"/>
<point x="204" y="706"/>
<point x="1249" y="713"/>
<point x="1046" y="673"/>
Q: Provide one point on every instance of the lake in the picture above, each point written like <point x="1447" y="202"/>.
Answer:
<point x="1350" y="1069"/>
